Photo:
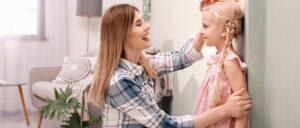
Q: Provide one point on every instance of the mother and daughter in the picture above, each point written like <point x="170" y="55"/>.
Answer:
<point x="123" y="81"/>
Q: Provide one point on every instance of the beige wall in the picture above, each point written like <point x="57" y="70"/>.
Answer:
<point x="255" y="58"/>
<point x="273" y="58"/>
<point x="282" y="83"/>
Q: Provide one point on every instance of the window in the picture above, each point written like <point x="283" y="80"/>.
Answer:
<point x="22" y="18"/>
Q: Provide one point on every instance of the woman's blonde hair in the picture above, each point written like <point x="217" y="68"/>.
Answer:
<point x="230" y="14"/>
<point x="116" y="23"/>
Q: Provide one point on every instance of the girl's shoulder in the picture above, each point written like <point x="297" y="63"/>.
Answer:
<point x="216" y="58"/>
<point x="233" y="56"/>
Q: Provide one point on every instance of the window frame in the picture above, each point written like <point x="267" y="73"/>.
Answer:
<point x="40" y="35"/>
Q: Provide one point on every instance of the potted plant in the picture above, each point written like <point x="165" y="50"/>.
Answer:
<point x="67" y="106"/>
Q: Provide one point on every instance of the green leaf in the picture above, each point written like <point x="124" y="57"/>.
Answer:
<point x="74" y="122"/>
<point x="63" y="104"/>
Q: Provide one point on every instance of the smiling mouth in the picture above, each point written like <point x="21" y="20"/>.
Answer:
<point x="145" y="38"/>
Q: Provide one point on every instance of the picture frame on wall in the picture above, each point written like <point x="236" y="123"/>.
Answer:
<point x="147" y="10"/>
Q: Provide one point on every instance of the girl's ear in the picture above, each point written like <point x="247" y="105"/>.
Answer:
<point x="224" y="33"/>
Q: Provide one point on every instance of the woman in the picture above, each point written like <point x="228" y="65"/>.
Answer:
<point x="123" y="79"/>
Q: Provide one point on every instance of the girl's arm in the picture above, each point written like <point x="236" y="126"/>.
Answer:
<point x="237" y="105"/>
<point x="237" y="81"/>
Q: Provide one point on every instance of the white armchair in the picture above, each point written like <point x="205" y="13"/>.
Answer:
<point x="41" y="86"/>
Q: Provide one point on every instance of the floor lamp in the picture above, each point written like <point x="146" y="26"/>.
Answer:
<point x="89" y="8"/>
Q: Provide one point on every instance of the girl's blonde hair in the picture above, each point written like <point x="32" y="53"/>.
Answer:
<point x="204" y="3"/>
<point x="115" y="26"/>
<point x="229" y="13"/>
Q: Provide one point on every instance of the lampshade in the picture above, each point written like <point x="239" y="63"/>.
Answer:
<point x="89" y="8"/>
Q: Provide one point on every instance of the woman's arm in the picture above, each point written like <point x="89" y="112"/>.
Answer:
<point x="127" y="96"/>
<point x="172" y="61"/>
<point x="237" y="105"/>
<point x="237" y="81"/>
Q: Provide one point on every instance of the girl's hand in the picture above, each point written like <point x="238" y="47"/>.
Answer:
<point x="238" y="104"/>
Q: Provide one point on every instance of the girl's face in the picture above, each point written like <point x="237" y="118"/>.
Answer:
<point x="212" y="30"/>
<point x="138" y="35"/>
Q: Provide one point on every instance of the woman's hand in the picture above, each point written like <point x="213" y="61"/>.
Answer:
<point x="238" y="104"/>
<point x="198" y="42"/>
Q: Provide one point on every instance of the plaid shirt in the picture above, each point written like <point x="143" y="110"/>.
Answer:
<point x="130" y="98"/>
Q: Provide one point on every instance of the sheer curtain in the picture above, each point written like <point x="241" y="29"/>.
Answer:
<point x="18" y="56"/>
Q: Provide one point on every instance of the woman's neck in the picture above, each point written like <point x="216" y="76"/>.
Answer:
<point x="132" y="56"/>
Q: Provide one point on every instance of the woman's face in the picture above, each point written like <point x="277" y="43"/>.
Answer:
<point x="212" y="29"/>
<point x="138" y="35"/>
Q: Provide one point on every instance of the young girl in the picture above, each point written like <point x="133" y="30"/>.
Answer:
<point x="225" y="75"/>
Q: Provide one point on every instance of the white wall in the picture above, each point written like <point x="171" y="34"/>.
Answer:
<point x="78" y="31"/>
<point x="173" y="22"/>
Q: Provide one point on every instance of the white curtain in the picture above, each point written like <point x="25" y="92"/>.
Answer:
<point x="17" y="57"/>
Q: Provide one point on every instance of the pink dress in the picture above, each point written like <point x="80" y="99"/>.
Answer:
<point x="205" y="99"/>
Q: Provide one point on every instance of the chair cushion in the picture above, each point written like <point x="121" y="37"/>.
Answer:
<point x="76" y="71"/>
<point x="45" y="89"/>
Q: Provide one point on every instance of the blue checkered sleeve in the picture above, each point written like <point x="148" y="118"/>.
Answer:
<point x="137" y="102"/>
<point x="172" y="61"/>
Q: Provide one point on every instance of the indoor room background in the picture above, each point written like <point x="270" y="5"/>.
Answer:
<point x="270" y="48"/>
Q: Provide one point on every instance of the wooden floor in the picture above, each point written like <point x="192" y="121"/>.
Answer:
<point x="18" y="121"/>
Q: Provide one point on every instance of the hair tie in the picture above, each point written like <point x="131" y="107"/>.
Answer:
<point x="204" y="3"/>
